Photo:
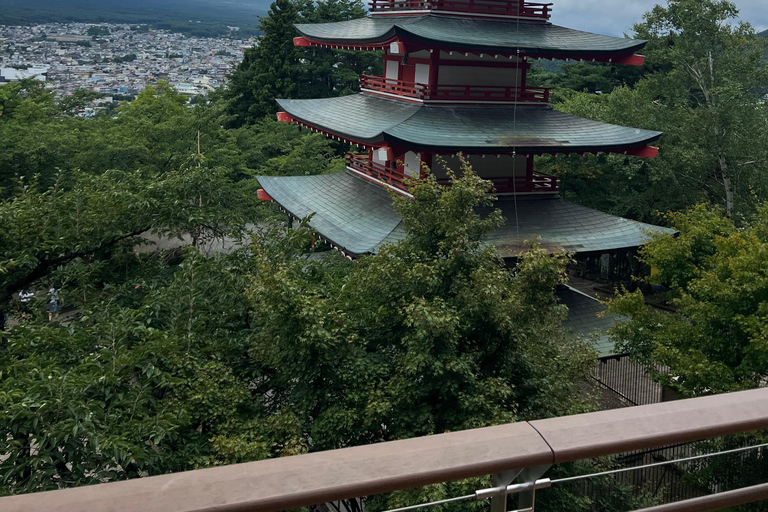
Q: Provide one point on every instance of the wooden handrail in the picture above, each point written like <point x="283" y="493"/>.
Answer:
<point x="303" y="480"/>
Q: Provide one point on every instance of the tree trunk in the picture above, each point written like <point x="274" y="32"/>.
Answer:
<point x="727" y="186"/>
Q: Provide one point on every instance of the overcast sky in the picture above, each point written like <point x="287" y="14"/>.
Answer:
<point x="615" y="17"/>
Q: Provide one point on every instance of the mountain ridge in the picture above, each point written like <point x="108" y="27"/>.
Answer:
<point x="196" y="17"/>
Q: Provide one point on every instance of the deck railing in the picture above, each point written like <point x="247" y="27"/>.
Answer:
<point x="532" y="10"/>
<point x="527" y="449"/>
<point x="457" y="93"/>
<point x="392" y="86"/>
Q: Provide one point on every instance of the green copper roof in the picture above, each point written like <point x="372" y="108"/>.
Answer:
<point x="536" y="38"/>
<point x="357" y="215"/>
<point x="373" y="119"/>
<point x="351" y="212"/>
<point x="585" y="319"/>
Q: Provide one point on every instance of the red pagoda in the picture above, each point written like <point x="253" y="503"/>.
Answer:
<point x="455" y="81"/>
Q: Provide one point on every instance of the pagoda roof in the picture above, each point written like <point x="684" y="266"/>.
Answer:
<point x="358" y="216"/>
<point x="588" y="317"/>
<point x="369" y="119"/>
<point x="535" y="38"/>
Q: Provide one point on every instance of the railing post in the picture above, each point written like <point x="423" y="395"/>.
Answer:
<point x="499" y="503"/>
<point x="527" y="499"/>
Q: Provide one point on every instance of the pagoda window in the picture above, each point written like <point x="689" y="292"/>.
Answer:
<point x="412" y="165"/>
<point x="479" y="76"/>
<point x="392" y="69"/>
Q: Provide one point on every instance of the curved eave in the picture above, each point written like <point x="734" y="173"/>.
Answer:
<point x="543" y="40"/>
<point x="372" y="120"/>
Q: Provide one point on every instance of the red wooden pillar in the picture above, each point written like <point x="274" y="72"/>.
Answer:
<point x="529" y="172"/>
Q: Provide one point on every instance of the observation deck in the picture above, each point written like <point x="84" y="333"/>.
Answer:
<point x="532" y="11"/>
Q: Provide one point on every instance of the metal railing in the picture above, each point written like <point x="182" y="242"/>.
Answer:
<point x="458" y="93"/>
<point x="526" y="449"/>
<point x="630" y="380"/>
<point x="533" y="10"/>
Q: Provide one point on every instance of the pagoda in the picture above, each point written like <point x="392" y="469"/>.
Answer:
<point x="455" y="81"/>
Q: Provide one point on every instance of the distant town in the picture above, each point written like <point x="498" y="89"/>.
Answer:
<point x="116" y="60"/>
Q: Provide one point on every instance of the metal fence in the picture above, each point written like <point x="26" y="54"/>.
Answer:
<point x="629" y="380"/>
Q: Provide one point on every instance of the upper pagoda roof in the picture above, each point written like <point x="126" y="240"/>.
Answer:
<point x="357" y="215"/>
<point x="535" y="38"/>
<point x="369" y="119"/>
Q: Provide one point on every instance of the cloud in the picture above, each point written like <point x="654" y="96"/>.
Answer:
<point x="616" y="17"/>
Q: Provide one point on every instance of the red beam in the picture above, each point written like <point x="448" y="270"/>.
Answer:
<point x="262" y="194"/>
<point x="306" y="42"/>
<point x="645" y="151"/>
<point x="301" y="41"/>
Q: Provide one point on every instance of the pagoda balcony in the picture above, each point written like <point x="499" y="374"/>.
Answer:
<point x="364" y="165"/>
<point x="511" y="8"/>
<point x="454" y="93"/>
<point x="538" y="183"/>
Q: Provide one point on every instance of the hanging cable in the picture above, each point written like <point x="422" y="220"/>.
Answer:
<point x="519" y="84"/>
<point x="435" y="503"/>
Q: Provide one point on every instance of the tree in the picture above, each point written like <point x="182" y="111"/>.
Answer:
<point x="276" y="69"/>
<point x="268" y="70"/>
<point x="701" y="89"/>
<point x="716" y="67"/>
<point x="716" y="340"/>
<point x="429" y="335"/>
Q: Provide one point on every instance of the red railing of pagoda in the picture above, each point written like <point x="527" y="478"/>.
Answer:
<point x="454" y="92"/>
<point x="392" y="86"/>
<point x="493" y="7"/>
<point x="540" y="182"/>
<point x="363" y="164"/>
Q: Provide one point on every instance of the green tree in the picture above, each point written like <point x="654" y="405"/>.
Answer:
<point x="717" y="340"/>
<point x="276" y="69"/>
<point x="429" y="335"/>
<point x="701" y="90"/>
<point x="268" y="70"/>
<point x="715" y="68"/>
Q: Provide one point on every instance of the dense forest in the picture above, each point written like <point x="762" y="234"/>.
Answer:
<point x="123" y="355"/>
<point x="200" y="18"/>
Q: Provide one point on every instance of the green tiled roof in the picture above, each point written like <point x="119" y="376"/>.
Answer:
<point x="536" y="38"/>
<point x="584" y="319"/>
<point x="351" y="212"/>
<point x="357" y="215"/>
<point x="372" y="119"/>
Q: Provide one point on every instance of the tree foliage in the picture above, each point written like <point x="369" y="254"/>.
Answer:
<point x="703" y="75"/>
<point x="274" y="68"/>
<point x="716" y="340"/>
<point x="190" y="361"/>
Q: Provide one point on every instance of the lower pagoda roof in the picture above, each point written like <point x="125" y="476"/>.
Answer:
<point x="535" y="38"/>
<point x="369" y="119"/>
<point x="588" y="317"/>
<point x="357" y="215"/>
